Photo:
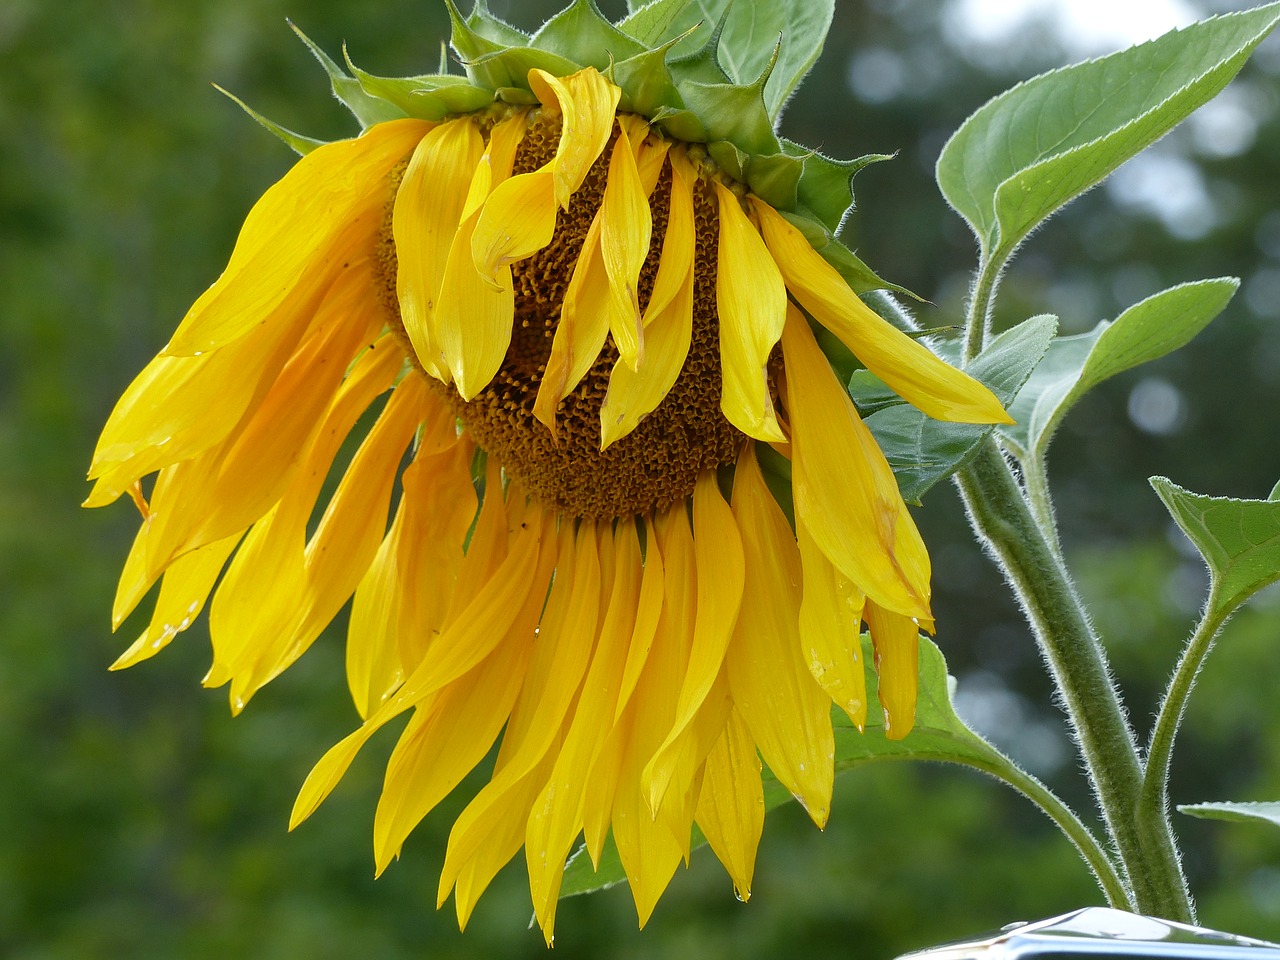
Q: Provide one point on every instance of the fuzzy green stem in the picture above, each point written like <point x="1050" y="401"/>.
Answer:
<point x="999" y="514"/>
<point x="1154" y="808"/>
<point x="978" y="327"/>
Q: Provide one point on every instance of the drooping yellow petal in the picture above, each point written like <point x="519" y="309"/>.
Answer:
<point x="752" y="303"/>
<point x="626" y="228"/>
<point x="910" y="368"/>
<point x="496" y="163"/>
<point x="830" y="633"/>
<point x="183" y="593"/>
<point x="186" y="505"/>
<point x="501" y="843"/>
<point x="441" y="508"/>
<point x="453" y="731"/>
<point x="668" y="321"/>
<point x="587" y="103"/>
<point x="566" y="637"/>
<point x="345" y="541"/>
<point x="461" y="647"/>
<point x="731" y="804"/>
<point x="646" y="847"/>
<point x="580" y="334"/>
<point x="373" y="656"/>
<point x="472" y="322"/>
<point x="648" y="613"/>
<point x="557" y="814"/>
<point x="845" y="493"/>
<point x="718" y="550"/>
<point x="292" y="241"/>
<point x="897" y="645"/>
<point x="517" y="221"/>
<point x="428" y="209"/>
<point x="788" y="714"/>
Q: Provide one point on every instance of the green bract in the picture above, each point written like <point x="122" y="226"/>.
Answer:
<point x="702" y="71"/>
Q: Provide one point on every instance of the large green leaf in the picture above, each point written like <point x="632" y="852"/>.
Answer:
<point x="1044" y="142"/>
<point x="924" y="451"/>
<point x="1239" y="812"/>
<point x="1239" y="540"/>
<point x="1074" y="365"/>
<point x="939" y="735"/>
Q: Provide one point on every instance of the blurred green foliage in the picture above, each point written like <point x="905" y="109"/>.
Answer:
<point x="137" y="819"/>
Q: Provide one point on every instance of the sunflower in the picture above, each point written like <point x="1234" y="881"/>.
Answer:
<point x="639" y="522"/>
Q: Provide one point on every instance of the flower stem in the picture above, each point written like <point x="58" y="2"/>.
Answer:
<point x="1154" y="806"/>
<point x="999" y="514"/>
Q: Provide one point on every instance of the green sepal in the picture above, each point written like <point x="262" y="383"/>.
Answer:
<point x="735" y="112"/>
<point x="680" y="124"/>
<point x="367" y="109"/>
<point x="429" y="97"/>
<point x="702" y="65"/>
<point x="468" y="37"/>
<point x="581" y="33"/>
<point x="296" y="141"/>
<point x="510" y="67"/>
<point x="647" y="87"/>
<point x="826" y="186"/>
<point x="776" y="179"/>
<point x="484" y="23"/>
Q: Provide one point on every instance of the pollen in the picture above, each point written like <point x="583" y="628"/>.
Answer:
<point x="658" y="463"/>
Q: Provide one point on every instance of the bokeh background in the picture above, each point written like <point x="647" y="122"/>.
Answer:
<point x="137" y="819"/>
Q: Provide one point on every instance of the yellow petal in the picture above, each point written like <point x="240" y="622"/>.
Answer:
<point x="580" y="334"/>
<point x="292" y="240"/>
<point x="499" y="157"/>
<point x="587" y="103"/>
<point x="830" y="618"/>
<point x="187" y="508"/>
<point x="731" y="804"/>
<point x="374" y="669"/>
<point x="752" y="304"/>
<point x="427" y="211"/>
<point x="472" y="322"/>
<point x="445" y="740"/>
<point x="441" y="509"/>
<point x="788" y="715"/>
<point x="910" y="368"/>
<point x="668" y="322"/>
<point x="648" y="612"/>
<point x="517" y="221"/>
<point x="626" y="228"/>
<point x="845" y="493"/>
<point x="897" y="645"/>
<point x="557" y="813"/>
<point x="461" y="647"/>
<point x="719" y="557"/>
<point x="183" y="593"/>
<point x="344" y="543"/>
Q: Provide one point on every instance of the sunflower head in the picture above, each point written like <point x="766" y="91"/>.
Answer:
<point x="585" y="276"/>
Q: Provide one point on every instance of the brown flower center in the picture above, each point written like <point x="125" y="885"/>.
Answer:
<point x="658" y="463"/>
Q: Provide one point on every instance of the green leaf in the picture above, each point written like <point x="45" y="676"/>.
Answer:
<point x="1238" y="539"/>
<point x="1238" y="812"/>
<point x="923" y="451"/>
<point x="430" y="97"/>
<point x="1024" y="154"/>
<point x="1146" y="331"/>
<point x="938" y="735"/>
